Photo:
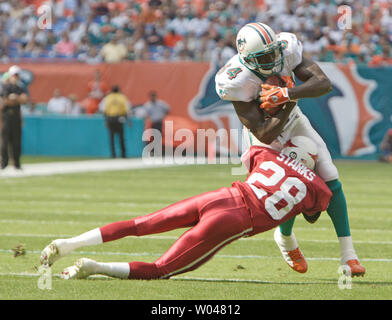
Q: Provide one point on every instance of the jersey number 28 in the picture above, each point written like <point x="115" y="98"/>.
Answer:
<point x="291" y="192"/>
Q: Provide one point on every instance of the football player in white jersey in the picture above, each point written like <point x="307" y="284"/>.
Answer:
<point x="261" y="54"/>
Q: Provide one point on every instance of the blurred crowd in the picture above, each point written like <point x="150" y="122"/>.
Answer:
<point x="93" y="31"/>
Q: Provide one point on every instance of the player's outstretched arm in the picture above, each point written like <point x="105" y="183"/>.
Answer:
<point x="315" y="81"/>
<point x="265" y="129"/>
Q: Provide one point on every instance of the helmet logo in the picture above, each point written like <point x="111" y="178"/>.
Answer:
<point x="241" y="44"/>
<point x="293" y="155"/>
<point x="284" y="44"/>
<point x="274" y="98"/>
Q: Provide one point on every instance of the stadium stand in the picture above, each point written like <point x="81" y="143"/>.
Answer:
<point x="183" y="30"/>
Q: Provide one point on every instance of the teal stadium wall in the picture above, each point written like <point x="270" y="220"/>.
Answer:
<point x="354" y="117"/>
<point x="76" y="136"/>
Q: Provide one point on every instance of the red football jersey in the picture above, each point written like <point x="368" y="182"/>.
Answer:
<point x="278" y="188"/>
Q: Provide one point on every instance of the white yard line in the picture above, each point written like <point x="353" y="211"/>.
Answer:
<point x="60" y="236"/>
<point x="101" y="223"/>
<point x="149" y="254"/>
<point x="57" y="275"/>
<point x="52" y="168"/>
<point x="183" y="278"/>
<point x="187" y="278"/>
<point x="251" y="280"/>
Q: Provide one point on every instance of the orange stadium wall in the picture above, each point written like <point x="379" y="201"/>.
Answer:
<point x="176" y="83"/>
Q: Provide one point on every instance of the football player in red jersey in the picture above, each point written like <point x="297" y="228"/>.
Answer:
<point x="280" y="185"/>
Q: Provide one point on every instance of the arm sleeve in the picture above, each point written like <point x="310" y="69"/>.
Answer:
<point x="249" y="157"/>
<point x="296" y="57"/>
<point x="292" y="49"/>
<point x="245" y="159"/>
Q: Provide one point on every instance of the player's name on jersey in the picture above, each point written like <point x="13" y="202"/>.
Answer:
<point x="297" y="166"/>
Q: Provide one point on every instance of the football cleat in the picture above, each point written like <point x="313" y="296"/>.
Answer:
<point x="52" y="252"/>
<point x="82" y="268"/>
<point x="356" y="268"/>
<point x="294" y="258"/>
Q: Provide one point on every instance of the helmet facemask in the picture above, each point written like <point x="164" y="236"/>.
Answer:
<point x="267" y="60"/>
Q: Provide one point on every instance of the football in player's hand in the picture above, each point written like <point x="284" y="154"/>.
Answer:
<point x="274" y="80"/>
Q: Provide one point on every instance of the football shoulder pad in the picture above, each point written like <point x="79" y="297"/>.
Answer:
<point x="235" y="82"/>
<point x="292" y="49"/>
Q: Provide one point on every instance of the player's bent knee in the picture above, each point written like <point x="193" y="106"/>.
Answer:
<point x="334" y="185"/>
<point x="327" y="170"/>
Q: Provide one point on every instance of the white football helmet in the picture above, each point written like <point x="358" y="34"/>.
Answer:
<point x="302" y="149"/>
<point x="259" y="49"/>
<point x="14" y="70"/>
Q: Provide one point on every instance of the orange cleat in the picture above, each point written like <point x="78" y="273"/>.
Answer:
<point x="356" y="268"/>
<point x="296" y="260"/>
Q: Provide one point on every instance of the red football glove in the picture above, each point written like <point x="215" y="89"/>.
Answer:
<point x="272" y="96"/>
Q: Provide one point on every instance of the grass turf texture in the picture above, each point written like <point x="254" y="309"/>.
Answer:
<point x="36" y="210"/>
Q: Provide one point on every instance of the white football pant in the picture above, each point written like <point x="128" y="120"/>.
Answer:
<point x="299" y="125"/>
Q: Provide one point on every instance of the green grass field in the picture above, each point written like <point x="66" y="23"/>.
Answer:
<point x="36" y="210"/>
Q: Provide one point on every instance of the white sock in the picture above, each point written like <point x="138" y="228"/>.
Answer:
<point x="287" y="242"/>
<point x="347" y="249"/>
<point x="89" y="238"/>
<point x="113" y="269"/>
